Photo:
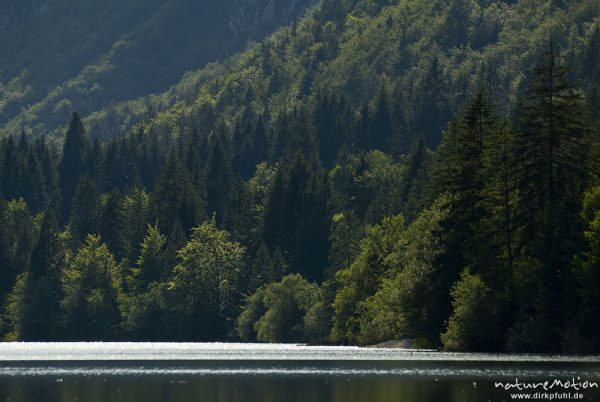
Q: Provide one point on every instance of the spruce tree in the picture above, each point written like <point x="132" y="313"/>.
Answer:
<point x="85" y="210"/>
<point x="72" y="163"/>
<point x="175" y="198"/>
<point x="295" y="217"/>
<point x="39" y="318"/>
<point x="590" y="66"/>
<point x="218" y="179"/>
<point x="108" y="222"/>
<point x="551" y="153"/>
<point x="34" y="186"/>
<point x="414" y="191"/>
<point x="8" y="175"/>
<point x="381" y="124"/>
<point x="132" y="223"/>
<point x="18" y="232"/>
<point x="152" y="264"/>
<point x="91" y="289"/>
<point x="460" y="174"/>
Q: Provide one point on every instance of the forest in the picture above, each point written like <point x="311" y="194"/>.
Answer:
<point x="56" y="55"/>
<point x="377" y="170"/>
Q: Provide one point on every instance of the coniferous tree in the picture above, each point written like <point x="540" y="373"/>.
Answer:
<point x="460" y="175"/>
<point x="38" y="317"/>
<point x="238" y="218"/>
<point x="72" y="163"/>
<point x="132" y="225"/>
<point x="295" y="216"/>
<point x="47" y="162"/>
<point x="218" y="179"/>
<point x="152" y="264"/>
<point x="381" y="124"/>
<point x="432" y="110"/>
<point x="85" y="210"/>
<point x="361" y="128"/>
<point x="33" y="182"/>
<point x="344" y="239"/>
<point x="175" y="199"/>
<point x="108" y="222"/>
<point x="262" y="270"/>
<point x="332" y="120"/>
<point x="590" y="66"/>
<point x="8" y="178"/>
<point x="414" y="191"/>
<point x="91" y="289"/>
<point x="327" y="108"/>
<point x="551" y="153"/>
<point x="456" y="25"/>
<point x="17" y="235"/>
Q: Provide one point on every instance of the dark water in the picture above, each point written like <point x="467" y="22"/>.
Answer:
<point x="278" y="373"/>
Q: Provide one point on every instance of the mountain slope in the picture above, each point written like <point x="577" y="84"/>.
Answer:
<point x="427" y="60"/>
<point x="59" y="55"/>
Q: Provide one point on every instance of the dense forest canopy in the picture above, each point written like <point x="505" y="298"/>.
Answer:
<point x="410" y="169"/>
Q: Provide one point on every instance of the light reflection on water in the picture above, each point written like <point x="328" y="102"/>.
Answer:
<point x="246" y="351"/>
<point x="268" y="373"/>
<point x="452" y="372"/>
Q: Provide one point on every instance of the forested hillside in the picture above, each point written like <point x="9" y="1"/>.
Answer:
<point x="429" y="56"/>
<point x="60" y="55"/>
<point x="424" y="170"/>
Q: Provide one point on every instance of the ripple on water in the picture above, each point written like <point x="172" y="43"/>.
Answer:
<point x="13" y="352"/>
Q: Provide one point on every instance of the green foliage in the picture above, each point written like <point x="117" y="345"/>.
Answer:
<point x="144" y="306"/>
<point x="362" y="278"/>
<point x="135" y="49"/>
<point x="379" y="186"/>
<point x="176" y="201"/>
<point x="133" y="217"/>
<point x="294" y="215"/>
<point x="344" y="238"/>
<point x="286" y="311"/>
<point x="33" y="306"/>
<point x="145" y="313"/>
<point x="151" y="265"/>
<point x="25" y="171"/>
<point x="550" y="161"/>
<point x="253" y="310"/>
<point x="311" y="152"/>
<point x="71" y="163"/>
<point x="218" y="179"/>
<point x="468" y="327"/>
<point x="266" y="268"/>
<point x="91" y="286"/>
<point x="406" y="304"/>
<point x="17" y="234"/>
<point x="206" y="280"/>
<point x="85" y="210"/>
<point x="587" y="329"/>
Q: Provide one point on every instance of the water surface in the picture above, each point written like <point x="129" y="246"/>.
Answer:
<point x="182" y="372"/>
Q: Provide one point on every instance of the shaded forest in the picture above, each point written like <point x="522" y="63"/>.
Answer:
<point x="365" y="174"/>
<point x="57" y="55"/>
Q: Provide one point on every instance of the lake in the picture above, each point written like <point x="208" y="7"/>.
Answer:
<point x="182" y="372"/>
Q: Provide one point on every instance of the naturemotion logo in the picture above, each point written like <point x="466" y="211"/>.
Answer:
<point x="545" y="390"/>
